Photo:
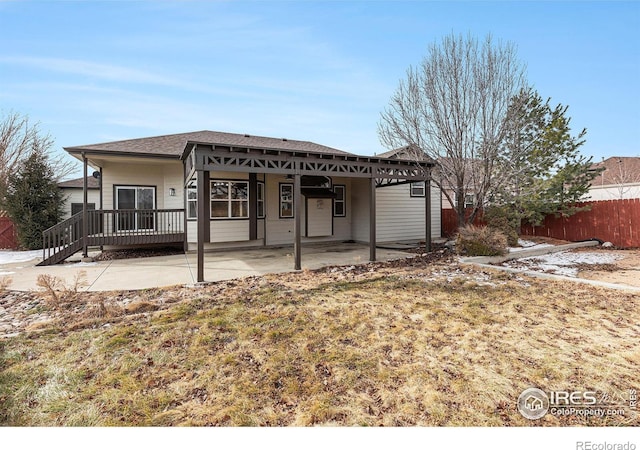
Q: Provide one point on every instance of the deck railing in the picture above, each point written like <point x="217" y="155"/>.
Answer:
<point x="62" y="238"/>
<point x="112" y="227"/>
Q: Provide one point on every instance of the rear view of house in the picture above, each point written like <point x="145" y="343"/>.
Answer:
<point x="212" y="190"/>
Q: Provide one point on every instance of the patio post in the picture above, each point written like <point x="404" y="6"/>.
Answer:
<point x="297" y="211"/>
<point x="427" y="214"/>
<point x="372" y="219"/>
<point x="201" y="189"/>
<point x="85" y="231"/>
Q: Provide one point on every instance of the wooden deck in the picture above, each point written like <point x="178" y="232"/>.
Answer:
<point x="112" y="227"/>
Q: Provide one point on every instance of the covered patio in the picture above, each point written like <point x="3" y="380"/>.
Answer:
<point x="202" y="158"/>
<point x="181" y="269"/>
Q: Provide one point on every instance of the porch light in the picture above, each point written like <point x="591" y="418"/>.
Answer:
<point x="172" y="192"/>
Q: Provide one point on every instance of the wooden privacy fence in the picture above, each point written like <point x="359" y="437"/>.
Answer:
<point x="8" y="235"/>
<point x="616" y="221"/>
<point x="450" y="221"/>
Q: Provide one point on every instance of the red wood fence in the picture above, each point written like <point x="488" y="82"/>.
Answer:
<point x="616" y="221"/>
<point x="8" y="237"/>
<point x="450" y="221"/>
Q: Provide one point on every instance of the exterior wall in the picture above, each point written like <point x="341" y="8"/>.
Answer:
<point x="161" y="175"/>
<point x="279" y="231"/>
<point x="614" y="192"/>
<point x="226" y="233"/>
<point x="401" y="217"/>
<point x="360" y="209"/>
<point x="74" y="195"/>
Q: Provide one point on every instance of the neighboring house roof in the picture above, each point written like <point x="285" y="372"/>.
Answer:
<point x="77" y="183"/>
<point x="408" y="152"/>
<point x="618" y="170"/>
<point x="173" y="146"/>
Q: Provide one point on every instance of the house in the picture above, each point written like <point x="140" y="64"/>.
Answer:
<point x="619" y="180"/>
<point x="413" y="153"/>
<point x="259" y="192"/>
<point x="73" y="195"/>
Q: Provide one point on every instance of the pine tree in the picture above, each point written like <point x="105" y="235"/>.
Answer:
<point x="546" y="172"/>
<point x="33" y="199"/>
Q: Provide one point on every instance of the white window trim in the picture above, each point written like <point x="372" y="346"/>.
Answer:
<point x="229" y="200"/>
<point x="343" y="201"/>
<point x="417" y="185"/>
<point x="260" y="199"/>
<point x="293" y="206"/>
<point x="192" y="187"/>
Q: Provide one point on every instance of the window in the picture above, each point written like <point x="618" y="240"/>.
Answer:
<point x="417" y="189"/>
<point x="79" y="207"/>
<point x="192" y="200"/>
<point x="340" y="202"/>
<point x="286" y="200"/>
<point x="469" y="200"/>
<point x="135" y="206"/>
<point x="260" y="200"/>
<point x="229" y="199"/>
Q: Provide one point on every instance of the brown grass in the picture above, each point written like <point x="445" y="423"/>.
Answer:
<point x="398" y="346"/>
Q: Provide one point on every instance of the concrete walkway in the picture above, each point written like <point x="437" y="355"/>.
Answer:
<point x="161" y="271"/>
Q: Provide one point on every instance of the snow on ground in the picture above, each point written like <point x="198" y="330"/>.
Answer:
<point x="562" y="263"/>
<point x="527" y="245"/>
<point x="10" y="256"/>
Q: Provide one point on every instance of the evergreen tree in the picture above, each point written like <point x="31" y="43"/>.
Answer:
<point x="542" y="169"/>
<point x="33" y="199"/>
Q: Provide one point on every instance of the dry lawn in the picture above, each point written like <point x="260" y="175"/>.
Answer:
<point x="425" y="344"/>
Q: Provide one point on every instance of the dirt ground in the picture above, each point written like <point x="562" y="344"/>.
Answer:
<point x="627" y="268"/>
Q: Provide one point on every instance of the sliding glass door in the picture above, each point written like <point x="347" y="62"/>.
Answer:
<point x="134" y="204"/>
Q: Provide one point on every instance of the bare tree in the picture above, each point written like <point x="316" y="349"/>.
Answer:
<point x="453" y="107"/>
<point x="19" y="138"/>
<point x="624" y="175"/>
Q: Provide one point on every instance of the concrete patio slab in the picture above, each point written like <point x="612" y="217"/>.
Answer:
<point x="162" y="271"/>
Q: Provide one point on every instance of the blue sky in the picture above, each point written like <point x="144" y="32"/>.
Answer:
<point x="95" y="71"/>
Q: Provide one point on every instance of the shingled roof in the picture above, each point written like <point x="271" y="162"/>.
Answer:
<point x="173" y="145"/>
<point x="617" y="170"/>
<point x="92" y="183"/>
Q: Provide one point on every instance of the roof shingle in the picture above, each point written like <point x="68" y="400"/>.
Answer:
<point x="172" y="146"/>
<point x="77" y="183"/>
<point x="617" y="170"/>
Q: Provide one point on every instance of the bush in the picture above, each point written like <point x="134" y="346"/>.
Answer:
<point x="504" y="219"/>
<point x="481" y="241"/>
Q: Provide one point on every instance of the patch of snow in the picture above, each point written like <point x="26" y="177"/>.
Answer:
<point x="82" y="264"/>
<point x="6" y="273"/>
<point x="563" y="263"/>
<point x="527" y="245"/>
<point x="10" y="256"/>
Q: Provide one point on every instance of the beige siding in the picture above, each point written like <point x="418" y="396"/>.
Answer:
<point x="74" y="195"/>
<point x="402" y="217"/>
<point x="280" y="231"/>
<point x="234" y="232"/>
<point x="161" y="175"/>
<point x="360" y="209"/>
<point x="221" y="230"/>
<point x="612" y="192"/>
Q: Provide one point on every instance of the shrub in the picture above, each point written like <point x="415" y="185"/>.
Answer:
<point x="481" y="241"/>
<point x="504" y="219"/>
